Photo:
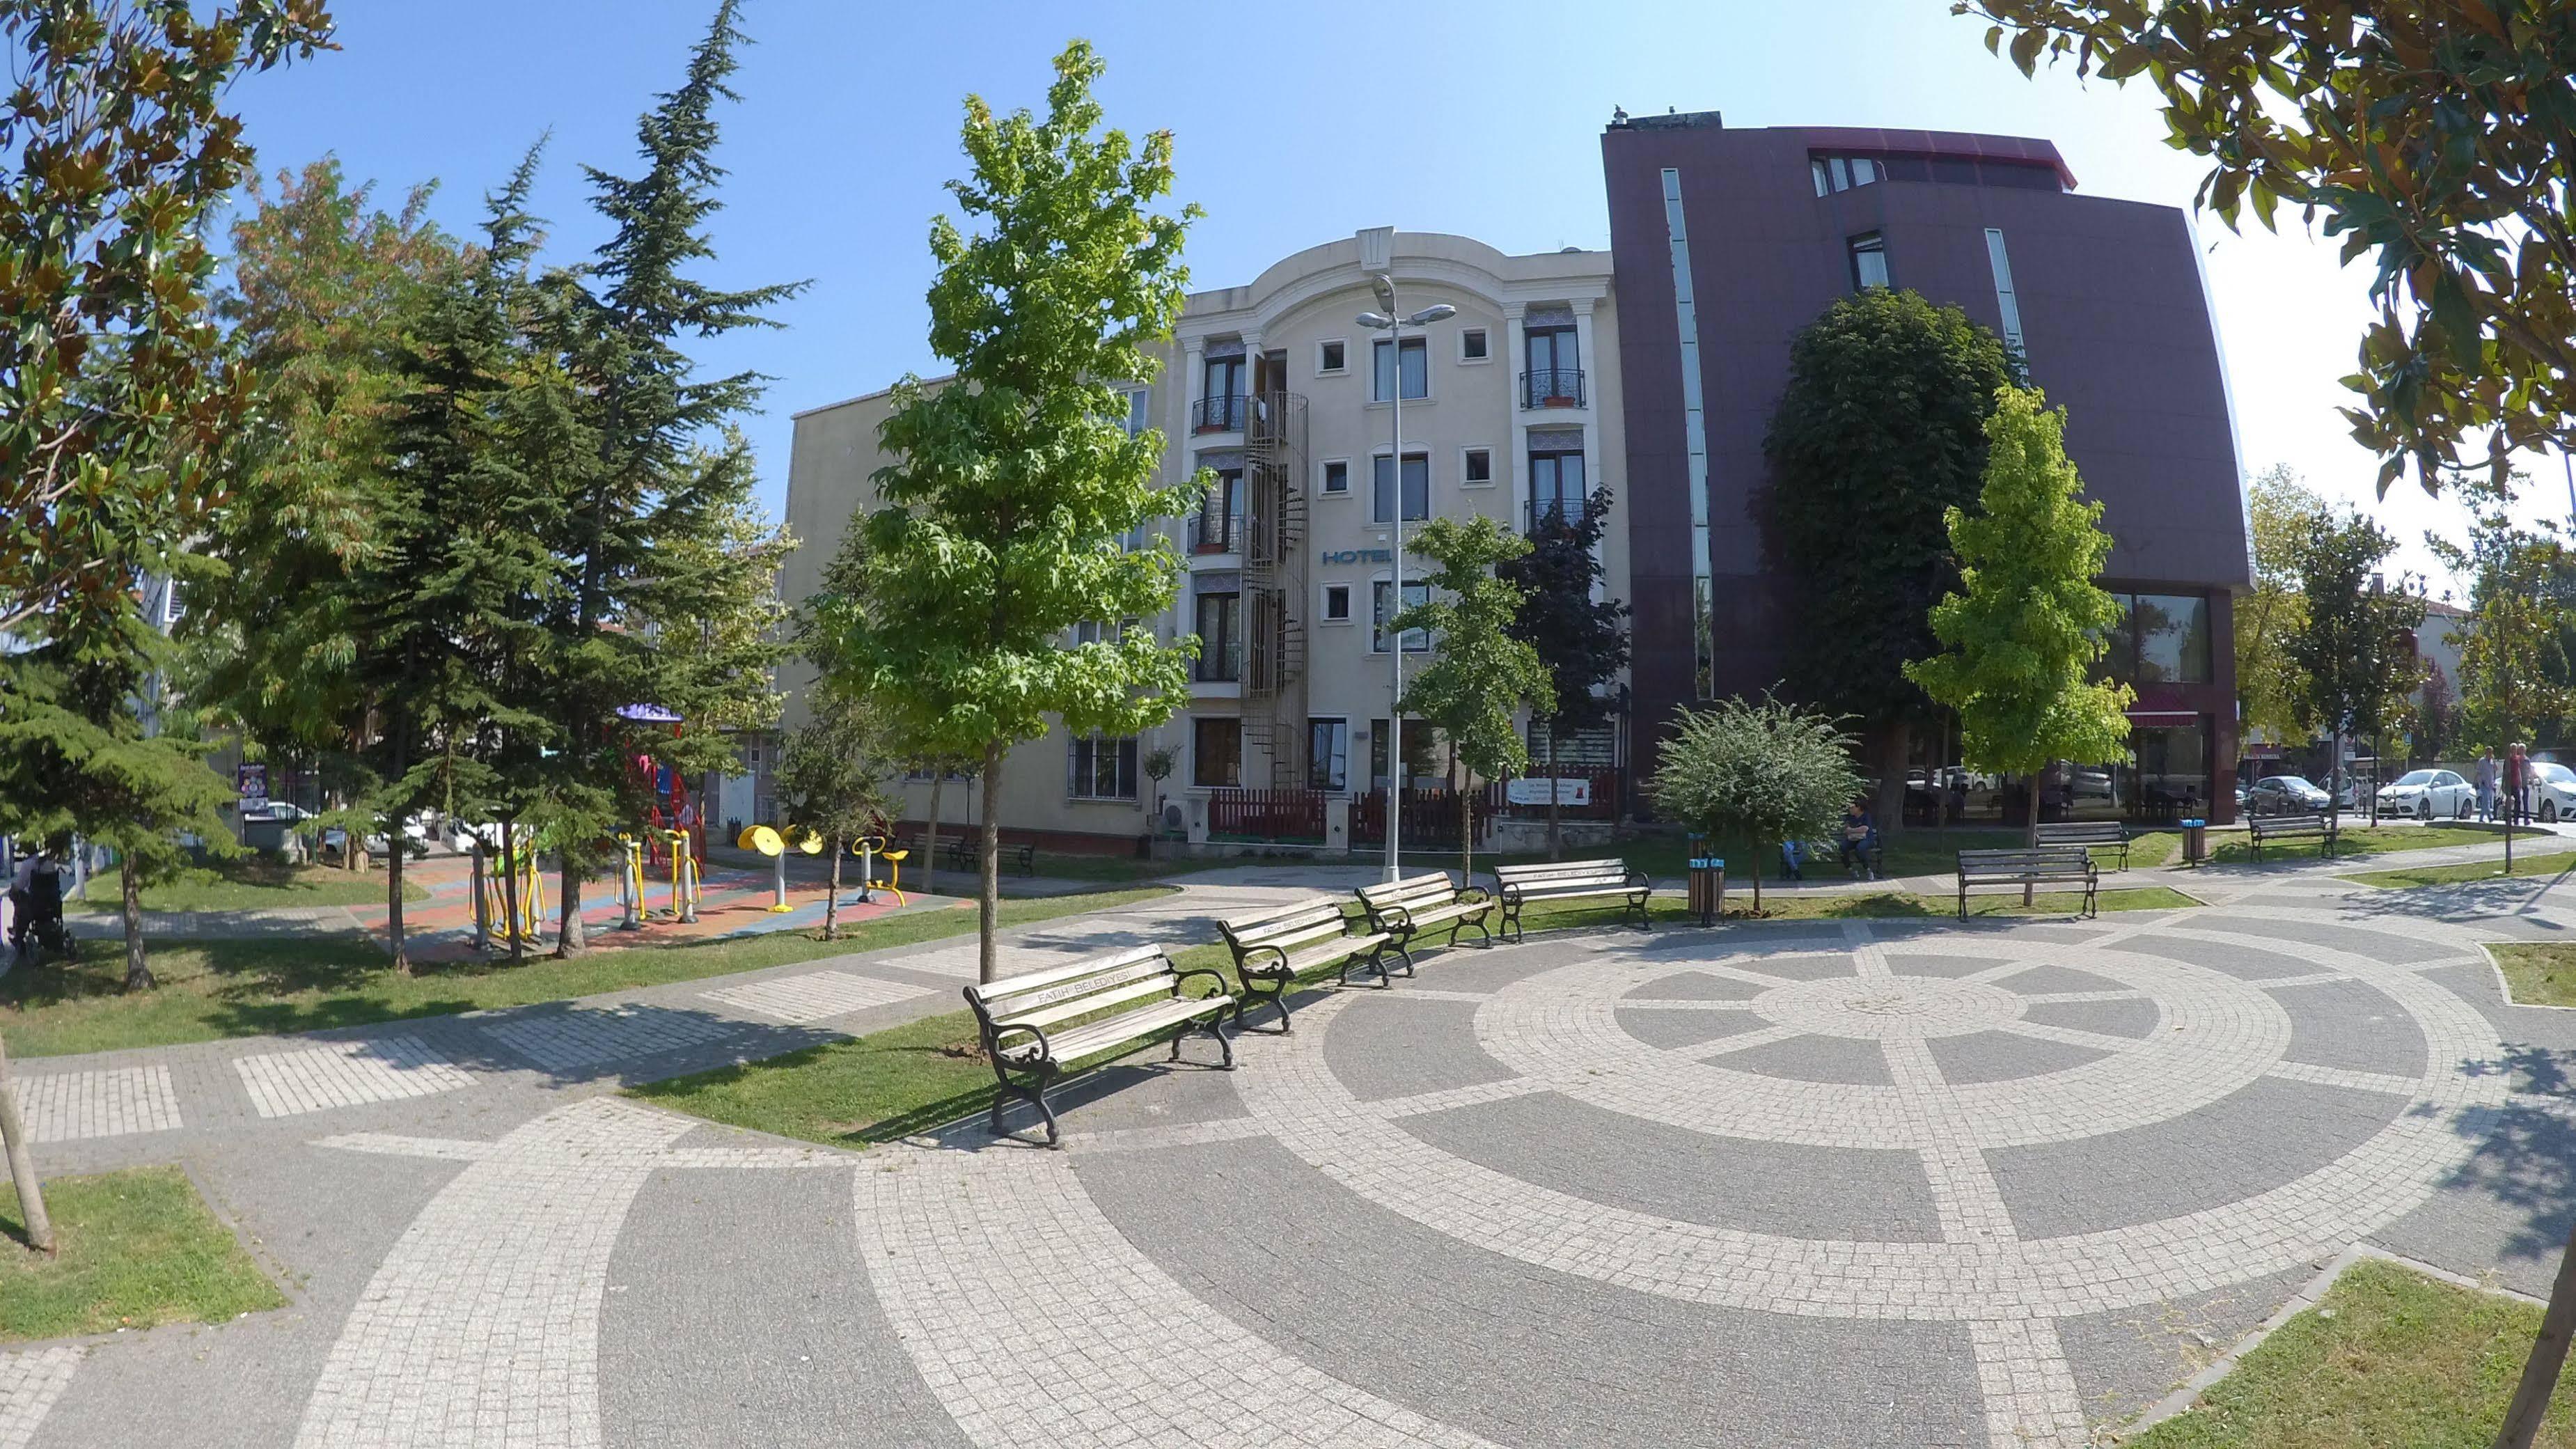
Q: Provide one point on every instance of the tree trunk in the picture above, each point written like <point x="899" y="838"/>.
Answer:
<point x="1555" y="842"/>
<point x="1466" y="836"/>
<point x="22" y="1167"/>
<point x="510" y="890"/>
<point x="2031" y="837"/>
<point x="570" y="939"/>
<point x="1757" y="876"/>
<point x="832" y="892"/>
<point x="930" y="838"/>
<point x="2548" y="1356"/>
<point x="393" y="911"/>
<point x="1895" y="741"/>
<point x="138" y="975"/>
<point x="988" y="892"/>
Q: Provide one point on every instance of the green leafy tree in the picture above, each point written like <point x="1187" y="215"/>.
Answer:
<point x="2282" y="513"/>
<point x="2434" y="138"/>
<point x="1880" y="431"/>
<point x="1481" y="670"/>
<point x="1582" y="641"/>
<point x="1012" y="485"/>
<point x="451" y="596"/>
<point x="1758" y="771"/>
<point x="2512" y="641"/>
<point x="671" y="602"/>
<point x="834" y="768"/>
<point x="2356" y="648"/>
<point x="113" y="390"/>
<point x="2021" y="637"/>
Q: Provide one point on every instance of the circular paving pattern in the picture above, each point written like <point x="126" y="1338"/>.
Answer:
<point x="1601" y="1030"/>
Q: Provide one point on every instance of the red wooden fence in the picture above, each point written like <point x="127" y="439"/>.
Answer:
<point x="1294" y="815"/>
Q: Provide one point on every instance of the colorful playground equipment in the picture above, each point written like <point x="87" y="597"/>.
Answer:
<point x="630" y="881"/>
<point x="515" y="911"/>
<point x="772" y="842"/>
<point x="684" y="875"/>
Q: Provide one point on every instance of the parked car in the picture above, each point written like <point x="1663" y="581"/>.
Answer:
<point x="2552" y="792"/>
<point x="2429" y="795"/>
<point x="2093" y="783"/>
<point x="2285" y="795"/>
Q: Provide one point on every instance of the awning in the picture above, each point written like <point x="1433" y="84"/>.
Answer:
<point x="2155" y="719"/>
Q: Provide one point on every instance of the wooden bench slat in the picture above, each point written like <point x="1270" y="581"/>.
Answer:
<point x="1100" y="1001"/>
<point x="1156" y="984"/>
<point x="1009" y="986"/>
<point x="1083" y="1041"/>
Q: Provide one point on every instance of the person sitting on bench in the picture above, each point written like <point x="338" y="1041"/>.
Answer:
<point x="1793" y="858"/>
<point x="1859" y="840"/>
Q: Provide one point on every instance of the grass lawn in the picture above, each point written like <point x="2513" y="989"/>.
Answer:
<point x="2539" y="973"/>
<point x="2389" y="1360"/>
<point x="2425" y="875"/>
<point x="929" y="1072"/>
<point x="235" y="885"/>
<point x="213" y="989"/>
<point x="138" y="1248"/>
<point x="2358" y="839"/>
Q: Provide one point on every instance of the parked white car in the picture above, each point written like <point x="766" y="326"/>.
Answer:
<point x="2429" y="795"/>
<point x="2552" y="792"/>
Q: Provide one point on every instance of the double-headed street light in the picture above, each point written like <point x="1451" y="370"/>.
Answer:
<point x="1393" y="324"/>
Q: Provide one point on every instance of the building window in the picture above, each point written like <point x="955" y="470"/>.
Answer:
<point x="2170" y="634"/>
<point x="1421" y="754"/>
<point x="1092" y="632"/>
<point x="1099" y="769"/>
<point x="1474" y="345"/>
<point x="1337" y="476"/>
<point x="1841" y="173"/>
<point x="1220" y="619"/>
<point x="1332" y="357"/>
<point x="1328" y="754"/>
<point x="1139" y="405"/>
<point x="2007" y="302"/>
<point x="1216" y="752"/>
<point x="1417" y="487"/>
<point x="1218" y="525"/>
<point x="1556" y="484"/>
<point x="1868" y="260"/>
<point x="1416" y="369"/>
<point x="1337" y="603"/>
<point x="1476" y="467"/>
<point x="1223" y="377"/>
<point x="1416" y="641"/>
<point x="1555" y="376"/>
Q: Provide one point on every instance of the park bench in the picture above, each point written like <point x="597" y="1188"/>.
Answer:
<point x="2092" y="834"/>
<point x="965" y="852"/>
<point x="1516" y="886"/>
<point x="1407" y="908"/>
<point x="1039" y="1024"/>
<point x="2029" y="866"/>
<point x="1273" y="948"/>
<point x="2272" y="829"/>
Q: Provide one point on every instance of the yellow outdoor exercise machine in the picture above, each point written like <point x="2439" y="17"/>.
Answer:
<point x="684" y="876"/>
<point x="516" y="866"/>
<point x="870" y="849"/>
<point x="771" y="842"/>
<point x="630" y="882"/>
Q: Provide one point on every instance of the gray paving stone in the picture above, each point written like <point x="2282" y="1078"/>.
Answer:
<point x="2252" y="1141"/>
<point x="1674" y="1030"/>
<point x="2247" y="962"/>
<point x="2348" y="1024"/>
<point x="1702" y="986"/>
<point x="1996" y="1056"/>
<point x="2507" y="1209"/>
<point x="1402" y="1311"/>
<point x="1816" y="1059"/>
<point x="2126" y="1360"/>
<point x="2040" y="980"/>
<point x="2397" y="947"/>
<point x="2111" y="1018"/>
<point x="1387" y="1046"/>
<point x="1599" y="1156"/>
<point x="759" y="1276"/>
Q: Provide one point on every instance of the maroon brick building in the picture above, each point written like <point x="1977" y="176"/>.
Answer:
<point x="1726" y="242"/>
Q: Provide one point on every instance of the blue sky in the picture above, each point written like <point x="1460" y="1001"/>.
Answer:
<point x="1295" y="123"/>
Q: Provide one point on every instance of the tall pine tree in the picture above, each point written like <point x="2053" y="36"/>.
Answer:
<point x="671" y="601"/>
<point x="1581" y="640"/>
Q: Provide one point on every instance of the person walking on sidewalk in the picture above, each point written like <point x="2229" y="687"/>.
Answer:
<point x="2487" y="785"/>
<point x="2516" y="772"/>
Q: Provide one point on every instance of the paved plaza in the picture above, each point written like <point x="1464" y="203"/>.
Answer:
<point x="1884" y="1183"/>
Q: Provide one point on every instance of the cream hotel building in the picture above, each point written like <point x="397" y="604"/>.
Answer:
<point x="1511" y="408"/>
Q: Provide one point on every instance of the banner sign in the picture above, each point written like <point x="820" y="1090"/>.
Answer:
<point x="251" y="781"/>
<point x="1534" y="792"/>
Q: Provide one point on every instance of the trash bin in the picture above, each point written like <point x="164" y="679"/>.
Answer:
<point x="1707" y="882"/>
<point x="2195" y="841"/>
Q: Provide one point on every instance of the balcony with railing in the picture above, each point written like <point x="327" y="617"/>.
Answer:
<point x="1216" y="533"/>
<point x="1217" y="413"/>
<point x="1552" y="387"/>
<point x="1542" y="515"/>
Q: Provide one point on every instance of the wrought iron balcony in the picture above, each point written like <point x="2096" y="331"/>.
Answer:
<point x="1552" y="387"/>
<point x="1219" y="414"/>
<point x="1216" y="533"/>
<point x="1550" y="513"/>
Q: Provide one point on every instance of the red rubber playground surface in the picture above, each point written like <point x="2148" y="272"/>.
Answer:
<point x="731" y="902"/>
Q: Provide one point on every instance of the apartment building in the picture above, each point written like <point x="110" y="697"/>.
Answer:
<point x="1511" y="408"/>
<point x="1726" y="242"/>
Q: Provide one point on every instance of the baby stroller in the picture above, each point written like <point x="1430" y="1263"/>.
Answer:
<point x="36" y="913"/>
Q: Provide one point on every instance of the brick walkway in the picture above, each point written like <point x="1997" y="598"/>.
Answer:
<point x="1885" y="1183"/>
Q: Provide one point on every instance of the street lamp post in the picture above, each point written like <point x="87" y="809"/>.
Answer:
<point x="1393" y="323"/>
